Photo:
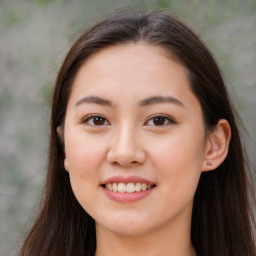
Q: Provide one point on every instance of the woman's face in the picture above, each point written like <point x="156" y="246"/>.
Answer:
<point x="134" y="139"/>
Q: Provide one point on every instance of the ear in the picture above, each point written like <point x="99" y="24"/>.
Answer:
<point x="60" y="136"/>
<point x="217" y="145"/>
<point x="66" y="165"/>
<point x="59" y="131"/>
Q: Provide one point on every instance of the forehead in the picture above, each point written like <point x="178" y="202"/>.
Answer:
<point x="129" y="55"/>
<point x="127" y="74"/>
<point x="131" y="65"/>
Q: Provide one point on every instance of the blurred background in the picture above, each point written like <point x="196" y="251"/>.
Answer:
<point x="34" y="38"/>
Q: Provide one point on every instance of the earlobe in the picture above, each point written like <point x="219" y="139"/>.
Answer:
<point x="66" y="165"/>
<point x="59" y="132"/>
<point x="217" y="146"/>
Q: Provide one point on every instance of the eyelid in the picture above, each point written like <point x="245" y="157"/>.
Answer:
<point x="170" y="119"/>
<point x="89" y="117"/>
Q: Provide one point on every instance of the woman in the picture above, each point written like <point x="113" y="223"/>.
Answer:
<point x="145" y="155"/>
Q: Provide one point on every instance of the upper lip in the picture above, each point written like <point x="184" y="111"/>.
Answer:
<point x="126" y="180"/>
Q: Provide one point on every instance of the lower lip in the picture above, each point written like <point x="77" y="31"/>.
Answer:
<point x="127" y="197"/>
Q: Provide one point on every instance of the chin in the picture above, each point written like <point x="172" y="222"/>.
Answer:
<point x="128" y="231"/>
<point x="127" y="225"/>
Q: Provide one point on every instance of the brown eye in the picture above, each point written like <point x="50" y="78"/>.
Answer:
<point x="95" y="120"/>
<point x="98" y="120"/>
<point x="160" y="120"/>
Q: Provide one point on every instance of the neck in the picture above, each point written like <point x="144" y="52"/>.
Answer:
<point x="160" y="242"/>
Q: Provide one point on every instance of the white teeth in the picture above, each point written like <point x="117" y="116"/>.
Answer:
<point x="127" y="188"/>
<point x="130" y="188"/>
<point x="144" y="187"/>
<point x="114" y="187"/>
<point x="121" y="187"/>
<point x="109" y="186"/>
<point x="138" y="187"/>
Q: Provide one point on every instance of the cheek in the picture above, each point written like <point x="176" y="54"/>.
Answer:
<point x="177" y="152"/>
<point x="178" y="160"/>
<point x="84" y="158"/>
<point x="84" y="154"/>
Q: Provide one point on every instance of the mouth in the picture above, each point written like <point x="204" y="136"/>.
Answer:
<point x="130" y="187"/>
<point x="127" y="189"/>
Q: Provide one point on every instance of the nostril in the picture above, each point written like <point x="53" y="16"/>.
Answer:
<point x="116" y="163"/>
<point x="125" y="155"/>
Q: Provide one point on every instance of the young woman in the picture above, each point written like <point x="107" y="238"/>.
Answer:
<point x="145" y="155"/>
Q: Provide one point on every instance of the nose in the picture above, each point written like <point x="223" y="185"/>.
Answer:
<point x="126" y="149"/>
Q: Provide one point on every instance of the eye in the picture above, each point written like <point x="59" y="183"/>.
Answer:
<point x="95" y="120"/>
<point x="160" y="120"/>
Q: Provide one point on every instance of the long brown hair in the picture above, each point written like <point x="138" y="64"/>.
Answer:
<point x="222" y="218"/>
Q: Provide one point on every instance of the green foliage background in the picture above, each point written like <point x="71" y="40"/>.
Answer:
<point x="34" y="38"/>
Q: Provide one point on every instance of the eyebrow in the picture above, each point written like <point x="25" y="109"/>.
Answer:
<point x="160" y="99"/>
<point x="145" y="102"/>
<point x="95" y="100"/>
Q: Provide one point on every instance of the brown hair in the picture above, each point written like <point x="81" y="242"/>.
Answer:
<point x="222" y="217"/>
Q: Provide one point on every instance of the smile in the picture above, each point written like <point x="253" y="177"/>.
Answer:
<point x="127" y="188"/>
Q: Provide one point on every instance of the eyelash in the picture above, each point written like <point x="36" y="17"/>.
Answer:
<point x="92" y="117"/>
<point x="167" y="120"/>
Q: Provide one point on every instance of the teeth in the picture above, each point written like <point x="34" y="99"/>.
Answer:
<point x="138" y="187"/>
<point x="144" y="187"/>
<point x="114" y="187"/>
<point x="121" y="187"/>
<point x="130" y="188"/>
<point x="127" y="188"/>
<point x="109" y="186"/>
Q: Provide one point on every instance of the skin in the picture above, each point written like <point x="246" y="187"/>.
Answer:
<point x="127" y="142"/>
